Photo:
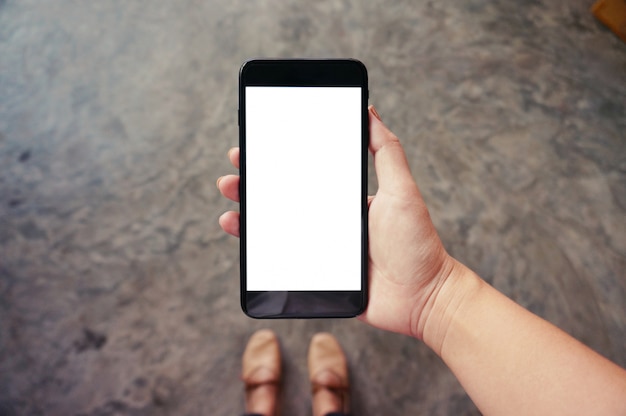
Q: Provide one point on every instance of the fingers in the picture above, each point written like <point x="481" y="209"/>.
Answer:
<point x="392" y="168"/>
<point x="233" y="155"/>
<point x="229" y="221"/>
<point x="229" y="186"/>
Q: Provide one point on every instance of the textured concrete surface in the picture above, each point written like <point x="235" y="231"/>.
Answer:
<point x="119" y="292"/>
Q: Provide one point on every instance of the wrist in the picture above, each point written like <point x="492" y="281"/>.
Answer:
<point x="455" y="287"/>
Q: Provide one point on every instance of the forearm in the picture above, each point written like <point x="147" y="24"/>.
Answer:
<point x="513" y="362"/>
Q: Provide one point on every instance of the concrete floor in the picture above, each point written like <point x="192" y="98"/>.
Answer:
<point x="119" y="292"/>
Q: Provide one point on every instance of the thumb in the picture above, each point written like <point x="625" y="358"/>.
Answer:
<point x="392" y="168"/>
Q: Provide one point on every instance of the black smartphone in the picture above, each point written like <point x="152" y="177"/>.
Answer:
<point x="303" y="135"/>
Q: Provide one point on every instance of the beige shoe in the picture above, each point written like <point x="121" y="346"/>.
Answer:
<point x="261" y="372"/>
<point x="328" y="373"/>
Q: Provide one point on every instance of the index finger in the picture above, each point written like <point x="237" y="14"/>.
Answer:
<point x="233" y="155"/>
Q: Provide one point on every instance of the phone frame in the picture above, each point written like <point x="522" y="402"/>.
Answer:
<point x="307" y="73"/>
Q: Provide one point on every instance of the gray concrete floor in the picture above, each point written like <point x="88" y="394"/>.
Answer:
<point x="118" y="290"/>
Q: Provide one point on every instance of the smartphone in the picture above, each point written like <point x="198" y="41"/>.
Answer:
<point x="303" y="136"/>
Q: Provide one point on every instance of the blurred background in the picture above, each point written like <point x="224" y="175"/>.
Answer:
<point x="119" y="293"/>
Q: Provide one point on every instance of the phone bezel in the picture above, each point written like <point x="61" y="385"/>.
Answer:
<point x="304" y="73"/>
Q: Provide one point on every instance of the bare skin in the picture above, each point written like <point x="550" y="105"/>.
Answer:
<point x="508" y="360"/>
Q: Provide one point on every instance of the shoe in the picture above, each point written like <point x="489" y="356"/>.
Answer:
<point x="328" y="373"/>
<point x="261" y="371"/>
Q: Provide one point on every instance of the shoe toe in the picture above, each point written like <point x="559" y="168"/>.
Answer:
<point x="261" y="359"/>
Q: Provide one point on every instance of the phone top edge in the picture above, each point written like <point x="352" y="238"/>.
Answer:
<point x="304" y="72"/>
<point x="287" y="60"/>
<point x="306" y="61"/>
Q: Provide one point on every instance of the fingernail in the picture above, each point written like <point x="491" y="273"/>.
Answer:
<point x="218" y="181"/>
<point x="373" y="110"/>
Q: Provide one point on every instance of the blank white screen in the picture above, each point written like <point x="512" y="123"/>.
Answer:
<point x="303" y="196"/>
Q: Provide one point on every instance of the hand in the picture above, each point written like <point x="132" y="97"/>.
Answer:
<point x="407" y="262"/>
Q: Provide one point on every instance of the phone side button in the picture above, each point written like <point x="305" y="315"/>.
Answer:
<point x="238" y="117"/>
